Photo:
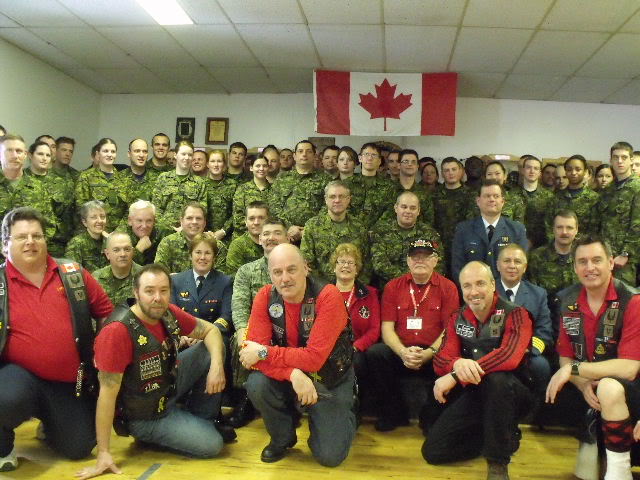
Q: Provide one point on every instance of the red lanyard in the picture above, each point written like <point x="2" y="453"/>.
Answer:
<point x="413" y="299"/>
<point x="348" y="302"/>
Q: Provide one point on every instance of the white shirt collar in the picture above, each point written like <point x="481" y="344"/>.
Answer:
<point x="513" y="289"/>
<point x="486" y="224"/>
<point x="195" y="276"/>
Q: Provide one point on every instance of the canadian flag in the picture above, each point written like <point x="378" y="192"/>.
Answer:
<point x="385" y="104"/>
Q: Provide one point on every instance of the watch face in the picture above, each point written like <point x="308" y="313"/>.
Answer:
<point x="262" y="353"/>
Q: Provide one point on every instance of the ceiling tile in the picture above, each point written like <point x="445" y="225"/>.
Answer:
<point x="292" y="80"/>
<point x="429" y="52"/>
<point x="150" y="46"/>
<point x="423" y="12"/>
<point x="261" y="11"/>
<point x="488" y="49"/>
<point x="529" y="87"/>
<point x="109" y="12"/>
<point x="214" y="45"/>
<point x="7" y="22"/>
<point x="98" y="82"/>
<point x="482" y="85"/>
<point x="619" y="58"/>
<point x="199" y="80"/>
<point x="280" y="45"/>
<point x="87" y="46"/>
<point x="341" y="12"/>
<point x="135" y="80"/>
<point x="559" y="53"/>
<point x="244" y="80"/>
<point x="589" y="15"/>
<point x="505" y="13"/>
<point x="204" y="12"/>
<point x="37" y="47"/>
<point x="627" y="95"/>
<point x="365" y="46"/>
<point x="581" y="89"/>
<point x="39" y="13"/>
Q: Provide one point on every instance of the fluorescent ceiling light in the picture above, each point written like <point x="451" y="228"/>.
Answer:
<point x="166" y="12"/>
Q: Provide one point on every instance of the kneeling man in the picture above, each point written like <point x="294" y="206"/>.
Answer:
<point x="299" y="343"/>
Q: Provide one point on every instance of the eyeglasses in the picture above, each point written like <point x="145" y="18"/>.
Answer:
<point x="408" y="162"/>
<point x="36" y="237"/>
<point x="349" y="263"/>
<point x="369" y="155"/>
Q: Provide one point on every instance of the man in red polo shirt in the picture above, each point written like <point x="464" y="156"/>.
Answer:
<point x="40" y="362"/>
<point x="415" y="308"/>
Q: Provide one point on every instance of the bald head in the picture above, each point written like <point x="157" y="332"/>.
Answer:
<point x="288" y="271"/>
<point x="117" y="237"/>
<point x="478" y="287"/>
<point x="119" y="251"/>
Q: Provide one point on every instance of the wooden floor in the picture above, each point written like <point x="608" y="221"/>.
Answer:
<point x="396" y="455"/>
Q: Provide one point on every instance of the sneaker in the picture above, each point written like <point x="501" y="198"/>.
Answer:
<point x="587" y="467"/>
<point x="10" y="462"/>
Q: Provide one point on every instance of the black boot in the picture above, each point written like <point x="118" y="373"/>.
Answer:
<point x="243" y="413"/>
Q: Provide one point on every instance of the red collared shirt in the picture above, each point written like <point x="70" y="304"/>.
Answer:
<point x="41" y="331"/>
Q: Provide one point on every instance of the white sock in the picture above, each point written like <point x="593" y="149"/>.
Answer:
<point x="618" y="466"/>
<point x="587" y="467"/>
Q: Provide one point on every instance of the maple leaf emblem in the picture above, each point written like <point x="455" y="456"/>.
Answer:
<point x="386" y="104"/>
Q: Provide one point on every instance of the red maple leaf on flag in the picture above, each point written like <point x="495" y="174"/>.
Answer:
<point x="385" y="105"/>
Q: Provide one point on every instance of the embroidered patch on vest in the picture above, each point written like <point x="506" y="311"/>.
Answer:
<point x="571" y="325"/>
<point x="275" y="310"/>
<point x="466" y="331"/>
<point x="150" y="367"/>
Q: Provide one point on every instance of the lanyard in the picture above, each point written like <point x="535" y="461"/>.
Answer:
<point x="413" y="299"/>
<point x="348" y="302"/>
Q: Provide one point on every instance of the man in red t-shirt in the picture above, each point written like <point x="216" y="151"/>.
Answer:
<point x="40" y="361"/>
<point x="415" y="308"/>
<point x="141" y="378"/>
<point x="298" y="332"/>
<point x="599" y="348"/>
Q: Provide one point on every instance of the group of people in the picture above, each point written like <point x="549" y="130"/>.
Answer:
<point x="311" y="283"/>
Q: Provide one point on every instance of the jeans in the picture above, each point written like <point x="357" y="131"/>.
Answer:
<point x="189" y="430"/>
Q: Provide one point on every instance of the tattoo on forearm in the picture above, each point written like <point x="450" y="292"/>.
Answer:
<point x="110" y="379"/>
<point x="199" y="331"/>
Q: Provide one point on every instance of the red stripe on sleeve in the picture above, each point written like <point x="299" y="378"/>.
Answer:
<point x="332" y="102"/>
<point x="439" y="92"/>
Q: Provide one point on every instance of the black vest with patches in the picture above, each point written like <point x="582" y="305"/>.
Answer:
<point x="476" y="344"/>
<point x="340" y="358"/>
<point x="609" y="324"/>
<point x="150" y="379"/>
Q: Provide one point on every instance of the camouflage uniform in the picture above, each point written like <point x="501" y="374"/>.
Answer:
<point x="117" y="289"/>
<point x="245" y="194"/>
<point x="133" y="188"/>
<point x="149" y="255"/>
<point x="241" y="177"/>
<point x="158" y="170"/>
<point x="242" y="250"/>
<point x="5" y="195"/>
<point x="66" y="172"/>
<point x="173" y="253"/>
<point x="93" y="184"/>
<point x="295" y="198"/>
<point x="87" y="251"/>
<point x="172" y="192"/>
<point x="427" y="212"/>
<point x="451" y="206"/>
<point x="34" y="191"/>
<point x="618" y="220"/>
<point x="220" y="196"/>
<point x="321" y="237"/>
<point x="514" y="206"/>
<point x="389" y="248"/>
<point x="538" y="203"/>
<point x="583" y="204"/>
<point x="370" y="197"/>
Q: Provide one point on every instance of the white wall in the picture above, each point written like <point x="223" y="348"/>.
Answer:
<point x="547" y="129"/>
<point x="36" y="99"/>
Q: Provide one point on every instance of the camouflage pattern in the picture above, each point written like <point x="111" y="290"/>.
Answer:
<point x="5" y="195"/>
<point x="537" y="204"/>
<point x="87" y="251"/>
<point x="66" y="172"/>
<point x="582" y="204"/>
<point x="370" y="197"/>
<point x="93" y="184"/>
<point x="427" y="212"/>
<point x="117" y="289"/>
<point x="295" y="198"/>
<point x="33" y="191"/>
<point x="158" y="170"/>
<point x="321" y="237"/>
<point x="245" y="194"/>
<point x="389" y="247"/>
<point x="220" y="197"/>
<point x="550" y="270"/>
<point x="242" y="250"/>
<point x="514" y="205"/>
<point x="132" y="188"/>
<point x="172" y="192"/>
<point x="149" y="255"/>
<point x="173" y="253"/>
<point x="618" y="220"/>
<point x="241" y="177"/>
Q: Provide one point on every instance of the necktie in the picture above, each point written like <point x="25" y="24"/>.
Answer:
<point x="509" y="295"/>
<point x="490" y="230"/>
<point x="200" y="283"/>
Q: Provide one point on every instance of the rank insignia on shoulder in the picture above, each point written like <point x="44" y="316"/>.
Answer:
<point x="142" y="340"/>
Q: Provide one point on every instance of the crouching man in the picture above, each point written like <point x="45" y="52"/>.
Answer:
<point x="142" y="375"/>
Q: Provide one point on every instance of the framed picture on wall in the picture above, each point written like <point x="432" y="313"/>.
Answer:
<point x="185" y="129"/>
<point x="217" y="131"/>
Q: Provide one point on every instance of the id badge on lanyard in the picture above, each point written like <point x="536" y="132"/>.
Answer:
<point x="414" y="322"/>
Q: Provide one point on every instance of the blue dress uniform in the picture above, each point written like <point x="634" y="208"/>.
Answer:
<point x="471" y="242"/>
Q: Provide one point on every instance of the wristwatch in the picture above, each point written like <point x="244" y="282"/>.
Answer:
<point x="574" y="368"/>
<point x="263" y="352"/>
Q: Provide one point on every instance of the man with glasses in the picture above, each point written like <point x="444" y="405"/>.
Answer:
<point x="117" y="277"/>
<point x="44" y="369"/>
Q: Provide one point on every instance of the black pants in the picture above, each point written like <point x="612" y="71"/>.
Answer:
<point x="386" y="369"/>
<point x="69" y="422"/>
<point x="479" y="420"/>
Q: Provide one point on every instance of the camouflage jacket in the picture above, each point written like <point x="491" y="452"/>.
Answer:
<point x="427" y="212"/>
<point x="173" y="253"/>
<point x="583" y="204"/>
<point x="87" y="251"/>
<point x="172" y="192"/>
<point x="37" y="191"/>
<point x="242" y="250"/>
<point x="68" y="173"/>
<point x="5" y="195"/>
<point x="220" y="196"/>
<point x="245" y="194"/>
<point x="537" y="206"/>
<point x="149" y="255"/>
<point x="370" y="197"/>
<point x="618" y="217"/>
<point x="158" y="170"/>
<point x="550" y="270"/>
<point x="321" y="237"/>
<point x="93" y="184"/>
<point x="133" y="188"/>
<point x="295" y="198"/>
<point x="249" y="278"/>
<point x="241" y="177"/>
<point x="117" y="289"/>
<point x="451" y="206"/>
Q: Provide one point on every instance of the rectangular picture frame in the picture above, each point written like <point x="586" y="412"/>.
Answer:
<point x="217" y="131"/>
